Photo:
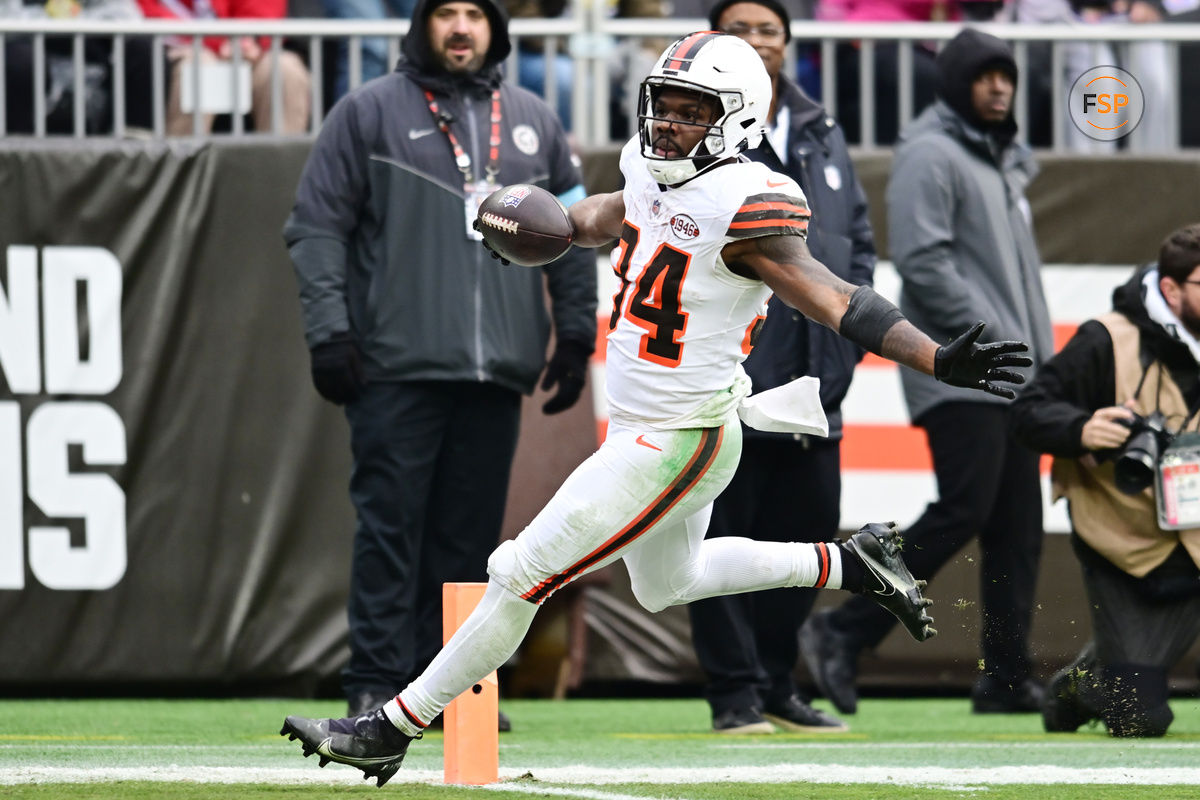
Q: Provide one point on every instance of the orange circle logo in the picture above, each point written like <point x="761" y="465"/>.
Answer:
<point x="1106" y="103"/>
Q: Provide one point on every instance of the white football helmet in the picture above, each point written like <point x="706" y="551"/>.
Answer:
<point x="723" y="67"/>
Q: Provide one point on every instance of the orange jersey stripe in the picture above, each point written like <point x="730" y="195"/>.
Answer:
<point x="751" y="208"/>
<point x="798" y="224"/>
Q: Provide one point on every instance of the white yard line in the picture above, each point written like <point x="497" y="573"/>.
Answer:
<point x="597" y="776"/>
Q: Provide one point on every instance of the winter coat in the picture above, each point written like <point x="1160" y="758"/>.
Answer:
<point x="378" y="234"/>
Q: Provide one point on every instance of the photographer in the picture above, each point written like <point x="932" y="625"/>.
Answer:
<point x="1107" y="407"/>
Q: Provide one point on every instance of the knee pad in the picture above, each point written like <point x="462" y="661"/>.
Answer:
<point x="1135" y="700"/>
<point x="652" y="598"/>
<point x="505" y="567"/>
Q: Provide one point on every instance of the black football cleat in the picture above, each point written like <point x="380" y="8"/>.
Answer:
<point x="369" y="741"/>
<point x="887" y="579"/>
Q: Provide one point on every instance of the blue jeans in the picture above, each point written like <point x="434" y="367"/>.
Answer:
<point x="374" y="50"/>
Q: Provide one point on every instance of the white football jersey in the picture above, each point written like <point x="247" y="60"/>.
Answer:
<point x="681" y="322"/>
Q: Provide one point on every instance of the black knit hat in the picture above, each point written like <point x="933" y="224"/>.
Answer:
<point x="775" y="7"/>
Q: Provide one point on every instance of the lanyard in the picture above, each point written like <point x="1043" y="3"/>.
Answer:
<point x="461" y="159"/>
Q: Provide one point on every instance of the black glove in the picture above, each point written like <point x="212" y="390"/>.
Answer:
<point x="979" y="366"/>
<point x="337" y="369"/>
<point x="568" y="368"/>
<point x="475" y="224"/>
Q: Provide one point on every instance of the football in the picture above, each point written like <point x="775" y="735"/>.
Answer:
<point x="525" y="224"/>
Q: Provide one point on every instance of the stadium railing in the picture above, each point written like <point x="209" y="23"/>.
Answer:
<point x="603" y="51"/>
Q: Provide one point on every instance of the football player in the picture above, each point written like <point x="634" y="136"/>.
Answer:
<point x="704" y="238"/>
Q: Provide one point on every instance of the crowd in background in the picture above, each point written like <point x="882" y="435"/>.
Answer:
<point x="1149" y="61"/>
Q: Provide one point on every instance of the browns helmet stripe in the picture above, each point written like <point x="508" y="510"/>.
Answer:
<point x="701" y="460"/>
<point x="680" y="58"/>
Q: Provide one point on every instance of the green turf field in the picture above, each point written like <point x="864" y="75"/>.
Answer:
<point x="593" y="749"/>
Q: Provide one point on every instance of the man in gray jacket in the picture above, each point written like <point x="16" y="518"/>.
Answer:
<point x="961" y="237"/>
<point x="426" y="340"/>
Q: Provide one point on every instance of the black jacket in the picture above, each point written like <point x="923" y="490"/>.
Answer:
<point x="1050" y="412"/>
<point x="839" y="235"/>
<point x="378" y="231"/>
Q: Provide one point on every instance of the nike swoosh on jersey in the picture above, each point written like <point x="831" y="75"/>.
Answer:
<point x="772" y="184"/>
<point x="324" y="749"/>
<point x="642" y="441"/>
<point x="417" y="134"/>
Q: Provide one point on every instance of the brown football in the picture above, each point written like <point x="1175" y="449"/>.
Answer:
<point x="525" y="224"/>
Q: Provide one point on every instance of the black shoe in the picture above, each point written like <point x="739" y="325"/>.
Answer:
<point x="832" y="660"/>
<point x="888" y="581"/>
<point x="793" y="714"/>
<point x="370" y="742"/>
<point x="1066" y="705"/>
<point x="741" y="721"/>
<point x="369" y="700"/>
<point x="993" y="696"/>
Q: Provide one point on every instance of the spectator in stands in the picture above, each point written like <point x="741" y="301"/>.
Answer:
<point x="1140" y="360"/>
<point x="887" y="70"/>
<point x="1147" y="61"/>
<point x="374" y="49"/>
<point x="99" y="71"/>
<point x="255" y="53"/>
<point x="426" y="341"/>
<point x="531" y="56"/>
<point x="961" y="237"/>
<point x="746" y="643"/>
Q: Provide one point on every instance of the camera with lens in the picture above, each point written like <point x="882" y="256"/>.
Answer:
<point x="1137" y="461"/>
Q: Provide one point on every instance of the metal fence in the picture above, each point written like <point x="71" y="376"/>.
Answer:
<point x="609" y="57"/>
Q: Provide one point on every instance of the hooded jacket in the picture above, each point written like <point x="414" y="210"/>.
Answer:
<point x="378" y="233"/>
<point x="839" y="236"/>
<point x="960" y="229"/>
<point x="1049" y="414"/>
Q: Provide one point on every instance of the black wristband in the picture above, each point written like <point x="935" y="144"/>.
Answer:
<point x="868" y="318"/>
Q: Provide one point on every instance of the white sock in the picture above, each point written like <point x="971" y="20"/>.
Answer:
<point x="734" y="564"/>
<point x="488" y="637"/>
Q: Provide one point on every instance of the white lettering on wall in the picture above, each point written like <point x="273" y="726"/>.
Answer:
<point x="67" y="372"/>
<point x="66" y="338"/>
<point x="12" y="527"/>
<point x="20" y="342"/>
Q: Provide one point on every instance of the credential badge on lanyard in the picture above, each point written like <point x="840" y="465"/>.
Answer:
<point x="475" y="190"/>
<point x="1178" y="484"/>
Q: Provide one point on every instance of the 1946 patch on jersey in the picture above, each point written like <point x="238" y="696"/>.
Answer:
<point x="684" y="226"/>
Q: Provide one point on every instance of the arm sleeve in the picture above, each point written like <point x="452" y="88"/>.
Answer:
<point x="329" y="198"/>
<point x="921" y="202"/>
<point x="1049" y="414"/>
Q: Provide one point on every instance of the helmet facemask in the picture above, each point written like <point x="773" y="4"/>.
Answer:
<point x="711" y="147"/>
<point x="727" y="72"/>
